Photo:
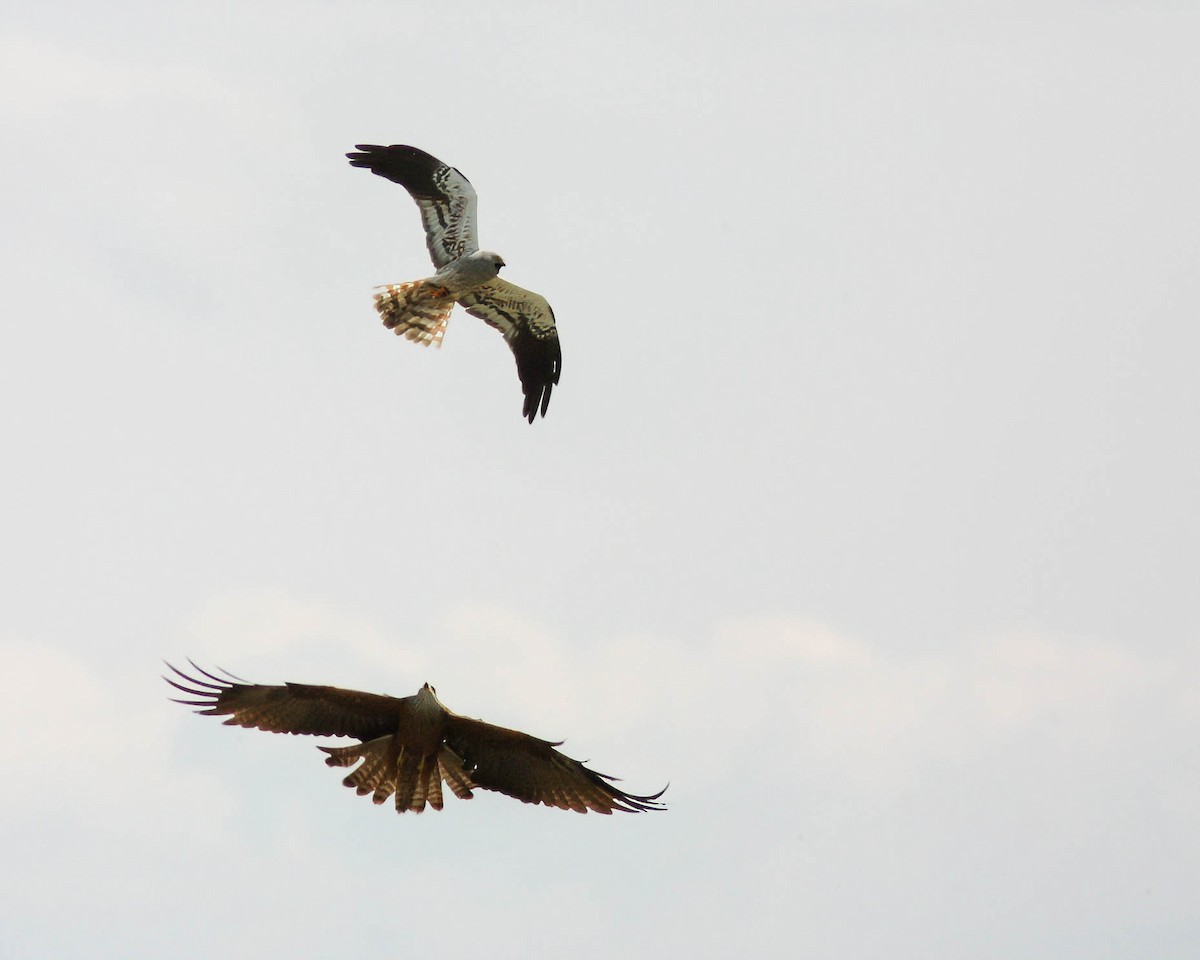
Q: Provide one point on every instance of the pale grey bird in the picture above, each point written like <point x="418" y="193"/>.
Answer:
<point x="420" y="309"/>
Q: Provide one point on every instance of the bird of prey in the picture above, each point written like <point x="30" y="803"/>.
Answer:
<point x="409" y="745"/>
<point x="420" y="309"/>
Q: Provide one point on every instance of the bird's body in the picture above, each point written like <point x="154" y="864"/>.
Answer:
<point x="460" y="277"/>
<point x="409" y="746"/>
<point x="420" y="309"/>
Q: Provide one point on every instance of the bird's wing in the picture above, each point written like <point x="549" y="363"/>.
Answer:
<point x="527" y="322"/>
<point x="446" y="198"/>
<point x="521" y="766"/>
<point x="291" y="708"/>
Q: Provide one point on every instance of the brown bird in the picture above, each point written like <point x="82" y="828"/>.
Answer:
<point x="409" y="745"/>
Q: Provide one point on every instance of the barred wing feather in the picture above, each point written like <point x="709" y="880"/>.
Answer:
<point x="446" y="199"/>
<point x="533" y="771"/>
<point x="527" y="322"/>
<point x="297" y="708"/>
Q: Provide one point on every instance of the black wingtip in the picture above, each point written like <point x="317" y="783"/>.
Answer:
<point x="363" y="154"/>
<point x="210" y="689"/>
<point x="637" y="803"/>
<point x="410" y="167"/>
<point x="539" y="366"/>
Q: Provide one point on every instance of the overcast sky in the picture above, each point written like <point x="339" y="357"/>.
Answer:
<point x="866" y="511"/>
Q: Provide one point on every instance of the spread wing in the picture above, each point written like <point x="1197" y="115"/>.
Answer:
<point x="531" y="770"/>
<point x="527" y="322"/>
<point x="291" y="708"/>
<point x="446" y="198"/>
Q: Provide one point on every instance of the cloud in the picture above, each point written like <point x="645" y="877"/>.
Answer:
<point x="817" y="749"/>
<point x="80" y="742"/>
<point x="855" y="710"/>
<point x="803" y="699"/>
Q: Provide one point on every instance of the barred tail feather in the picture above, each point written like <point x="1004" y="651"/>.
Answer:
<point x="454" y="772"/>
<point x="377" y="774"/>
<point x="406" y="781"/>
<point x="417" y="310"/>
<point x="429" y="786"/>
<point x="387" y="770"/>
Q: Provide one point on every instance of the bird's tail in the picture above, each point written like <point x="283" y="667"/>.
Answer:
<point x="418" y="310"/>
<point x="388" y="769"/>
<point x="454" y="772"/>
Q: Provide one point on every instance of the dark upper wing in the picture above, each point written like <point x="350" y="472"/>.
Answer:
<point x="446" y="198"/>
<point x="527" y="322"/>
<point x="521" y="766"/>
<point x="292" y="708"/>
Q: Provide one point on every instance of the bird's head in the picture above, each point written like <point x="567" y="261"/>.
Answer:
<point x="494" y="259"/>
<point x="426" y="707"/>
<point x="427" y="694"/>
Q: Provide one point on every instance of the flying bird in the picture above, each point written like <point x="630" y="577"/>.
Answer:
<point x="420" y="309"/>
<point x="409" y="745"/>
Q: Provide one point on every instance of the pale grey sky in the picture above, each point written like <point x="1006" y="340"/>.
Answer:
<point x="865" y="511"/>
